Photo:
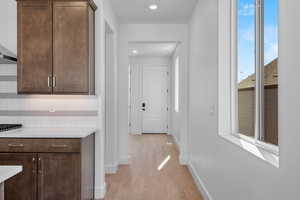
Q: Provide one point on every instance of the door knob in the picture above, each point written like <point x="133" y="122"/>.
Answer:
<point x="143" y="106"/>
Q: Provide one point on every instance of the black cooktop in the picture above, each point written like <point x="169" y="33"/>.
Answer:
<point x="8" y="127"/>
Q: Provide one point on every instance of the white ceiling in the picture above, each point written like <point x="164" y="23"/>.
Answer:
<point x="152" y="49"/>
<point x="169" y="11"/>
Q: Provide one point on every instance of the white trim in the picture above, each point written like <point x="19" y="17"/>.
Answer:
<point x="176" y="84"/>
<point x="254" y="149"/>
<point x="233" y="65"/>
<point x="200" y="184"/>
<point x="176" y="142"/>
<point x="267" y="147"/>
<point x="183" y="157"/>
<point x="225" y="125"/>
<point x="124" y="161"/>
<point x="100" y="192"/>
<point x="111" y="169"/>
<point x="135" y="133"/>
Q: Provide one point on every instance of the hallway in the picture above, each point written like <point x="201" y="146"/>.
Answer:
<point x="154" y="172"/>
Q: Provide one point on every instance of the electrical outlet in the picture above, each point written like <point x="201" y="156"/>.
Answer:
<point x="212" y="110"/>
<point x="52" y="109"/>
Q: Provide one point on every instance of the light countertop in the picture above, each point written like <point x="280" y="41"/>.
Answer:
<point x="7" y="172"/>
<point x="44" y="132"/>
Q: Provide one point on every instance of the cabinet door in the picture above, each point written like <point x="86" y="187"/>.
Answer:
<point x="22" y="186"/>
<point x="59" y="176"/>
<point x="70" y="48"/>
<point x="34" y="47"/>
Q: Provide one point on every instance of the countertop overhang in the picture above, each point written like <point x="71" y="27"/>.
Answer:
<point x="44" y="132"/>
<point x="7" y="172"/>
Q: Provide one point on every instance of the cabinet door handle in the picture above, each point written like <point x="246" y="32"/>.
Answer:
<point x="40" y="179"/>
<point x="40" y="170"/>
<point x="59" y="146"/>
<point x="49" y="81"/>
<point x="54" y="81"/>
<point x="15" y="145"/>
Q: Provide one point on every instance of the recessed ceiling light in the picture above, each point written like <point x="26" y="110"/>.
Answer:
<point x="153" y="7"/>
<point x="134" y="51"/>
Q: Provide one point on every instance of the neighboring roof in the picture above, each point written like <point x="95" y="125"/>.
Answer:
<point x="271" y="76"/>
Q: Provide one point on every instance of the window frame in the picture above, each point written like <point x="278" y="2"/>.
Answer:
<point x="259" y="80"/>
<point x="228" y="87"/>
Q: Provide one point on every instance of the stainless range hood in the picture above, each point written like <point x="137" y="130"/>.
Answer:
<point x="7" y="57"/>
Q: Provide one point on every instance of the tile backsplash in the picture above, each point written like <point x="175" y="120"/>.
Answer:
<point x="43" y="110"/>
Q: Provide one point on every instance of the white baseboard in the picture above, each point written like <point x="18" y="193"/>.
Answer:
<point x="111" y="169"/>
<point x="124" y="161"/>
<point x="136" y="133"/>
<point x="100" y="192"/>
<point x="199" y="183"/>
<point x="176" y="142"/>
<point x="183" y="159"/>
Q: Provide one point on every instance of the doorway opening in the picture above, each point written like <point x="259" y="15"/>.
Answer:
<point x="150" y="87"/>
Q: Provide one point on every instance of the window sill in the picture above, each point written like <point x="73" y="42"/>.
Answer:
<point x="258" y="151"/>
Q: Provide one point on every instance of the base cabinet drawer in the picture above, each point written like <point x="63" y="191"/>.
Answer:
<point x="61" y="169"/>
<point x="40" y="145"/>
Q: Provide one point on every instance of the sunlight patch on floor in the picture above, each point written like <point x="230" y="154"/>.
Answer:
<point x="164" y="163"/>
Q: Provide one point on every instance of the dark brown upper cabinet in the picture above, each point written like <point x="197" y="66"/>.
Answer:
<point x="56" y="47"/>
<point x="34" y="47"/>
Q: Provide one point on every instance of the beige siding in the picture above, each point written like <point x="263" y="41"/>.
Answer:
<point x="246" y="111"/>
<point x="271" y="115"/>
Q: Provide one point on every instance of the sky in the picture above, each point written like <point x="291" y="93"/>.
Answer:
<point x="246" y="35"/>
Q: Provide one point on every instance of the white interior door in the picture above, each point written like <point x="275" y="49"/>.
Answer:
<point x="154" y="99"/>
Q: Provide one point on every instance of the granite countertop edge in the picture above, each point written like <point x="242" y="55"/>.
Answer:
<point x="51" y="132"/>
<point x="6" y="172"/>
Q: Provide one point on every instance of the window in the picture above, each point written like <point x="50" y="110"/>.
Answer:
<point x="176" y="85"/>
<point x="246" y="67"/>
<point x="255" y="102"/>
<point x="248" y="76"/>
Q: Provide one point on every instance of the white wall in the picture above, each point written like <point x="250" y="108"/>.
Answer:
<point x="145" y="33"/>
<point x="103" y="15"/>
<point x="88" y="111"/>
<point x="227" y="171"/>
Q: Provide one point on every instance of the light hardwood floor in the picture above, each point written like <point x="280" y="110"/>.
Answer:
<point x="142" y="180"/>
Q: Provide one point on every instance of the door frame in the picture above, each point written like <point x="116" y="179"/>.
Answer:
<point x="141" y="66"/>
<point x="110" y="101"/>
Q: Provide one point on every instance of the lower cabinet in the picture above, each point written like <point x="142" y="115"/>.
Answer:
<point x="58" y="176"/>
<point x="55" y="174"/>
<point x="23" y="186"/>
